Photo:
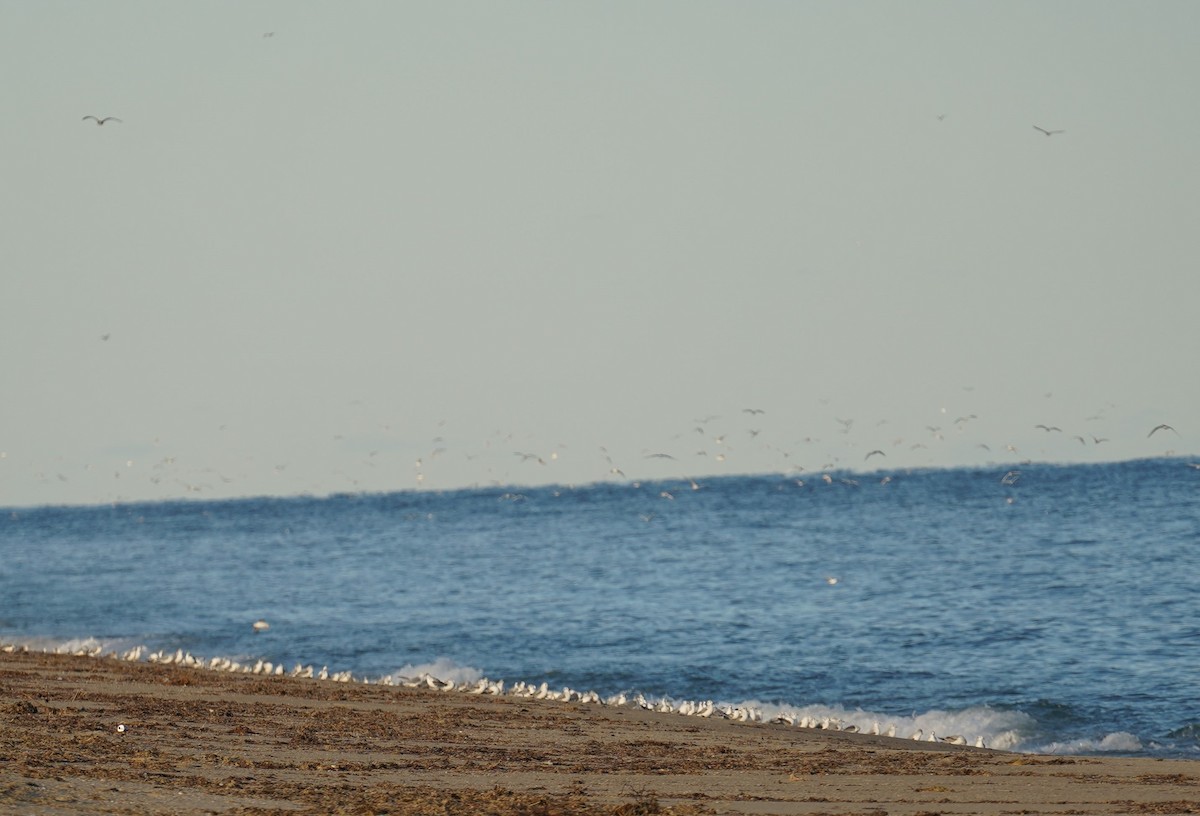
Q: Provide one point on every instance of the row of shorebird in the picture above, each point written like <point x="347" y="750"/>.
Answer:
<point x="484" y="686"/>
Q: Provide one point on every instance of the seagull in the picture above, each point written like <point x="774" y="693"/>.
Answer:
<point x="1161" y="428"/>
<point x="1047" y="132"/>
<point x="872" y="453"/>
<point x="100" y="121"/>
<point x="261" y="625"/>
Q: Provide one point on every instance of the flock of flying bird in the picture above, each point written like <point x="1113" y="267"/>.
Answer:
<point x="711" y="445"/>
<point x="723" y="444"/>
<point x="720" y="453"/>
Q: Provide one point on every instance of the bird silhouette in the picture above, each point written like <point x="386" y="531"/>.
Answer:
<point x="1161" y="428"/>
<point x="99" y="121"/>
<point x="1047" y="132"/>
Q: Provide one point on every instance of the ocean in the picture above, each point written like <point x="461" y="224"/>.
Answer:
<point x="1049" y="609"/>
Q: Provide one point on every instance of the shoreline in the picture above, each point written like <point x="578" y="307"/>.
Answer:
<point x="101" y="735"/>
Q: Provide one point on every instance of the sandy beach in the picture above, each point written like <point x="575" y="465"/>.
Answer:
<point x="99" y="735"/>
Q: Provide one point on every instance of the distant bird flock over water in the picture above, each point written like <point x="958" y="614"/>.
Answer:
<point x="741" y="441"/>
<point x="708" y="709"/>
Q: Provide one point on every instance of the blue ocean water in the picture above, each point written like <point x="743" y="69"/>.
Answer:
<point x="1050" y="609"/>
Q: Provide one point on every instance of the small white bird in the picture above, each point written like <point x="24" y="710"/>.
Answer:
<point x="261" y="625"/>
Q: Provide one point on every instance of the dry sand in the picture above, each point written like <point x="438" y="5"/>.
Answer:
<point x="198" y="741"/>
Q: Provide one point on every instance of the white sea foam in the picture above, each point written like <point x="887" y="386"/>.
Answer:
<point x="443" y="669"/>
<point x="1000" y="729"/>
<point x="1119" y="742"/>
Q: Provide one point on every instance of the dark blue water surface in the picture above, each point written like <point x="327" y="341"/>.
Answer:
<point x="1053" y="610"/>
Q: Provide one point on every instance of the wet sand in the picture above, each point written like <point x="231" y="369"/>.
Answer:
<point x="199" y="742"/>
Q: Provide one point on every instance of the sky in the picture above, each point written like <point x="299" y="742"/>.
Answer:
<point x="376" y="246"/>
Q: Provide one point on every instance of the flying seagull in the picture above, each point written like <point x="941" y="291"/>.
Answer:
<point x="1161" y="428"/>
<point x="100" y="121"/>
<point x="1047" y="132"/>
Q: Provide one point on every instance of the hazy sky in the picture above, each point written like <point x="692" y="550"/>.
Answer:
<point x="377" y="246"/>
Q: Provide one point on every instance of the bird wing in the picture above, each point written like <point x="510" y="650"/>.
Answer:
<point x="110" y="119"/>
<point x="1042" y="130"/>
<point x="84" y="119"/>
